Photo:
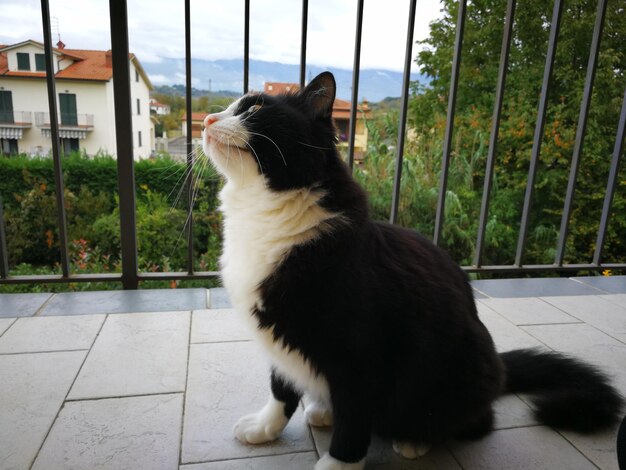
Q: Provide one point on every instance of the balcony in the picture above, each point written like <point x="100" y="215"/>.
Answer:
<point x="71" y="126"/>
<point x="13" y="123"/>
<point x="157" y="379"/>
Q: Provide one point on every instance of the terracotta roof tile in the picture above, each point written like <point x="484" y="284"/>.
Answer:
<point x="195" y="116"/>
<point x="88" y="65"/>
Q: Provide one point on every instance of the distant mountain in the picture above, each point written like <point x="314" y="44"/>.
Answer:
<point x="179" y="90"/>
<point x="227" y="75"/>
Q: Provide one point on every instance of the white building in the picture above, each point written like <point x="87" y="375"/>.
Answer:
<point x="84" y="86"/>
<point x="159" y="108"/>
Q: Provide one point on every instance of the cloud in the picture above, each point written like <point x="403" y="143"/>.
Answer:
<point x="156" y="29"/>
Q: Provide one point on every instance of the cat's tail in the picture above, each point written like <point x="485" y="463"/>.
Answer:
<point x="567" y="393"/>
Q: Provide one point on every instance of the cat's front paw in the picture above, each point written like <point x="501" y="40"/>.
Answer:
<point x="327" y="462"/>
<point x="410" y="450"/>
<point x="318" y="414"/>
<point x="263" y="426"/>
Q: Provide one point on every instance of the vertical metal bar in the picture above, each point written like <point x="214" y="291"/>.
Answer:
<point x="188" y="97"/>
<point x="408" y="58"/>
<point x="246" y="46"/>
<point x="124" y="145"/>
<point x="4" y="252"/>
<point x="447" y="141"/>
<point x="355" y="82"/>
<point x="305" y="23"/>
<point x="611" y="184"/>
<point x="541" y="117"/>
<point x="580" y="130"/>
<point x="54" y="134"/>
<point x="495" y="129"/>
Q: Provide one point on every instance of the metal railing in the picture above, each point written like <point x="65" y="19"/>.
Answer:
<point x="130" y="275"/>
<point x="70" y="120"/>
<point x="16" y="118"/>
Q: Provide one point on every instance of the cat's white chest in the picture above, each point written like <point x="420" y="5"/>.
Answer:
<point x="260" y="227"/>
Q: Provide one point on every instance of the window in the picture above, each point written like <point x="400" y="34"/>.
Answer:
<point x="67" y="103"/>
<point x="6" y="107"/>
<point x="136" y="75"/>
<point x="40" y="62"/>
<point x="23" y="61"/>
<point x="8" y="147"/>
<point x="139" y="138"/>
<point x="138" y="106"/>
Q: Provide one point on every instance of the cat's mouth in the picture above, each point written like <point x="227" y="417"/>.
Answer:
<point x="231" y="143"/>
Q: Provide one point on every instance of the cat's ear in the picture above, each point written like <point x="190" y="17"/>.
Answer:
<point x="320" y="95"/>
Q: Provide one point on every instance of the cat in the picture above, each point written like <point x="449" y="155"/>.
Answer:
<point x="375" y="324"/>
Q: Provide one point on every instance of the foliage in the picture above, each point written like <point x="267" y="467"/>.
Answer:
<point x="472" y="128"/>
<point x="93" y="220"/>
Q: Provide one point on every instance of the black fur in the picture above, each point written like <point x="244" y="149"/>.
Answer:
<point x="284" y="392"/>
<point x="385" y="316"/>
<point x="570" y="394"/>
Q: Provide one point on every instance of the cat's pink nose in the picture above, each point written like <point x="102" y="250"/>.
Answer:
<point x="210" y="119"/>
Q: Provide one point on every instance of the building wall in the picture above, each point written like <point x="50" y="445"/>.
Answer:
<point x="31" y="50"/>
<point x="30" y="94"/>
<point x="92" y="97"/>
<point x="141" y="117"/>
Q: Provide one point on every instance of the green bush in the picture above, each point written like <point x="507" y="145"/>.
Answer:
<point x="92" y="216"/>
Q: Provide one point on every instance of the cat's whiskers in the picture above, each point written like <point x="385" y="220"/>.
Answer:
<point x="194" y="195"/>
<point x="272" y="141"/>
<point x="313" y="146"/>
<point x="189" y="173"/>
<point x="243" y="171"/>
<point x="257" y="158"/>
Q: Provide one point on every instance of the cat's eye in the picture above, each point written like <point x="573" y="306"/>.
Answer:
<point x="254" y="108"/>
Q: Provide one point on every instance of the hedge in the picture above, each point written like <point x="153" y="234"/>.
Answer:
<point x="18" y="174"/>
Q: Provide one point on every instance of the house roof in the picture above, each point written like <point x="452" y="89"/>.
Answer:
<point x="199" y="116"/>
<point x="341" y="108"/>
<point x="87" y="64"/>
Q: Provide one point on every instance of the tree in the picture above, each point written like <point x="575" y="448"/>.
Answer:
<point x="476" y="94"/>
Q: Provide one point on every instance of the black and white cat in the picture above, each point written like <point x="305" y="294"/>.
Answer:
<point x="373" y="322"/>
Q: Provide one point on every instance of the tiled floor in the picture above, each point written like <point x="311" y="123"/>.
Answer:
<point x="84" y="386"/>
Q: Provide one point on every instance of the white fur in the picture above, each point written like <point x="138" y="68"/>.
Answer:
<point x="260" y="227"/>
<point x="318" y="414"/>
<point x="327" y="462"/>
<point x="264" y="425"/>
<point x="410" y="450"/>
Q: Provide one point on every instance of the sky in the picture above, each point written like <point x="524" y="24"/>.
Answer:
<point x="156" y="29"/>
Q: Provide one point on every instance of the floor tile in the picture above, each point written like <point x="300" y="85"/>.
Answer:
<point x="21" y="305"/>
<point x="117" y="433"/>
<point x="5" y="323"/>
<point x="520" y="448"/>
<point x="597" y="311"/>
<point x="51" y="334"/>
<point x="135" y="354"/>
<point x="512" y="412"/>
<point x="227" y="381"/>
<point x="380" y="455"/>
<point x="505" y="334"/>
<point x="479" y="295"/>
<point x="612" y="284"/>
<point x="618" y="299"/>
<point x="32" y="390"/>
<point x="599" y="447"/>
<point x="587" y="343"/>
<point x="218" y="298"/>
<point x="218" y="325"/>
<point x="300" y="460"/>
<point x="533" y="287"/>
<point x="528" y="311"/>
<point x="120" y="301"/>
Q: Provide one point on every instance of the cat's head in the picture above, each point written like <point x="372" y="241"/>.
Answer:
<point x="286" y="139"/>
